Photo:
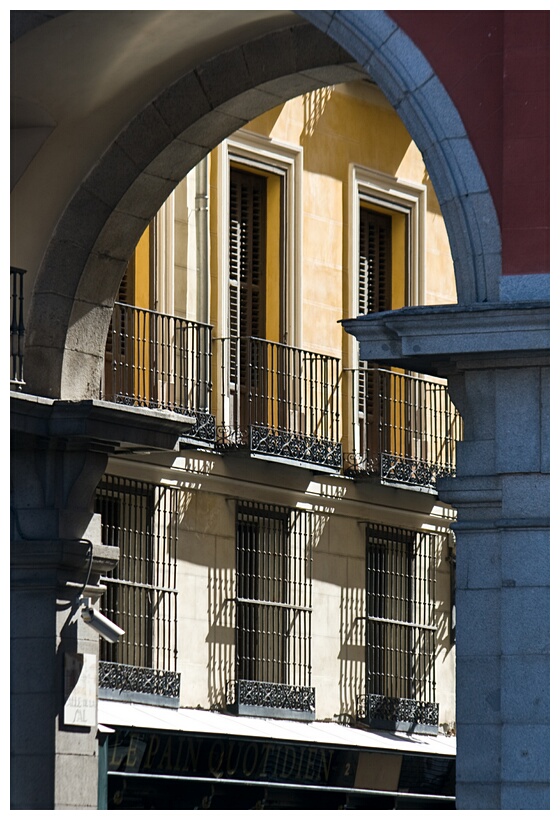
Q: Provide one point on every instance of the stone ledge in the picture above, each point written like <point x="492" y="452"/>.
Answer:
<point x="99" y="423"/>
<point x="436" y="339"/>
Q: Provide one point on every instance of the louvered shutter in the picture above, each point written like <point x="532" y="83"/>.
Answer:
<point x="374" y="295"/>
<point x="374" y="286"/>
<point x="247" y="253"/>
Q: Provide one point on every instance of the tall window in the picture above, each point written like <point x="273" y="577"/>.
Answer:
<point x="273" y="574"/>
<point x="400" y="622"/>
<point x="259" y="185"/>
<point x="374" y="295"/>
<point x="247" y="280"/>
<point x="141" y="519"/>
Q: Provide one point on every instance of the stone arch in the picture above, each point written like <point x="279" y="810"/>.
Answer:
<point x="95" y="236"/>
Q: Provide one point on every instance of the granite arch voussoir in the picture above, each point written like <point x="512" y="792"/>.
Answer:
<point x="166" y="139"/>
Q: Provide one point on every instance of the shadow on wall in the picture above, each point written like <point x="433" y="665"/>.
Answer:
<point x="221" y="633"/>
<point x="324" y="154"/>
<point x="352" y="653"/>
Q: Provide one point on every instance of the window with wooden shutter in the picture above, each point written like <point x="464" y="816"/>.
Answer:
<point x="247" y="253"/>
<point x="374" y="285"/>
<point x="374" y="295"/>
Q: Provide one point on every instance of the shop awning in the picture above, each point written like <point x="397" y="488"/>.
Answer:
<point x="200" y="722"/>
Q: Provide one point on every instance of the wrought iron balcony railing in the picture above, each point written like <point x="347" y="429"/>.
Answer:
<point x="119" y="681"/>
<point x="16" y="328"/>
<point x="257" y="698"/>
<point x="398" y="714"/>
<point x="160" y="361"/>
<point x="279" y="401"/>
<point x="404" y="427"/>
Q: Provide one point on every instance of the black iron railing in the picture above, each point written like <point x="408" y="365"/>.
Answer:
<point x="249" y="697"/>
<point x="160" y="361"/>
<point x="398" y="714"/>
<point x="404" y="427"/>
<point x="279" y="401"/>
<point x="17" y="329"/>
<point x="119" y="681"/>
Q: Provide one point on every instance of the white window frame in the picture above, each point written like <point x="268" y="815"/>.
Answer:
<point x="254" y="150"/>
<point x="402" y="196"/>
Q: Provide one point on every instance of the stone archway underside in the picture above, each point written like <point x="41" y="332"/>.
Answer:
<point x="95" y="237"/>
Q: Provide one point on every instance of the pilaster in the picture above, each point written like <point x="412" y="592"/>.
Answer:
<point x="495" y="357"/>
<point x="59" y="454"/>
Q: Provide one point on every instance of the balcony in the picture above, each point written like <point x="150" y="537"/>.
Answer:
<point x="404" y="428"/>
<point x="160" y="361"/>
<point x="16" y="328"/>
<point x="282" y="403"/>
<point x="279" y="402"/>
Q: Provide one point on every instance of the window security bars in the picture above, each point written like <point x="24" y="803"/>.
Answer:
<point x="141" y="519"/>
<point x="16" y="327"/>
<point x="400" y="628"/>
<point x="273" y="606"/>
<point x="404" y="427"/>
<point x="160" y="361"/>
<point x="280" y="401"/>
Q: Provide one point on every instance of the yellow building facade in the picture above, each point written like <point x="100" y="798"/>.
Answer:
<point x="291" y="561"/>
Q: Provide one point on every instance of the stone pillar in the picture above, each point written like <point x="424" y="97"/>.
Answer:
<point x="501" y="496"/>
<point x="56" y="556"/>
<point x="496" y="360"/>
<point x="59" y="454"/>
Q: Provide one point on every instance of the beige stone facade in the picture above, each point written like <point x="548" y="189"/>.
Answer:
<point x="321" y="165"/>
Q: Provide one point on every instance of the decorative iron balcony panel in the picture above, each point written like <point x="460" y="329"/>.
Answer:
<point x="118" y="681"/>
<point x="247" y="697"/>
<point x="159" y="361"/>
<point x="204" y="429"/>
<point x="280" y="401"/>
<point x="414" y="472"/>
<point x="399" y="714"/>
<point x="17" y="330"/>
<point x="288" y="446"/>
<point x="404" y="428"/>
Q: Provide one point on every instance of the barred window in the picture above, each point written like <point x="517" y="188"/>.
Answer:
<point x="274" y="597"/>
<point x="141" y="519"/>
<point x="400" y="621"/>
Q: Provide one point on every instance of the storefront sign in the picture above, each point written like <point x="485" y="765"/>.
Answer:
<point x="230" y="759"/>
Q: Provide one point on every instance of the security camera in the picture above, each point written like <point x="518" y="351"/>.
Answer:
<point x="106" y="628"/>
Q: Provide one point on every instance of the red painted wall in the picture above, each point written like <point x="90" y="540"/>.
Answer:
<point x="495" y="66"/>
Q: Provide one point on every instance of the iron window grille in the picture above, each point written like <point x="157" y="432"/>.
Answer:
<point x="142" y="520"/>
<point x="400" y="629"/>
<point x="273" y="612"/>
